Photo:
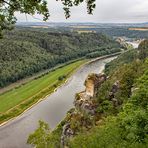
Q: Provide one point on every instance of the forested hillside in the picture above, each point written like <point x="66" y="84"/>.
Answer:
<point x="120" y="117"/>
<point x="124" y="114"/>
<point x="27" y="51"/>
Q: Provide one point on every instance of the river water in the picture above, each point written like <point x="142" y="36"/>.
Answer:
<point x="51" y="110"/>
<point x="134" y="44"/>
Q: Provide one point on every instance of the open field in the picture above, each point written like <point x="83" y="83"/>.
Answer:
<point x="84" y="26"/>
<point x="14" y="102"/>
<point x="34" y="76"/>
<point x="12" y="98"/>
<point x="85" y="31"/>
<point x="40" y="27"/>
<point x="139" y="29"/>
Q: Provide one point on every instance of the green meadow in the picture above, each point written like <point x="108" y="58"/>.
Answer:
<point x="17" y="100"/>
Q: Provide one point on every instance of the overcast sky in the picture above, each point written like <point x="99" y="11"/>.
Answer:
<point x="107" y="11"/>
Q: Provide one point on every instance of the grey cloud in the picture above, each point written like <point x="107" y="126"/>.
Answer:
<point x="106" y="11"/>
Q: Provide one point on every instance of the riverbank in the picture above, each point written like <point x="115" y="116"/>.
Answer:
<point x="104" y="57"/>
<point x="35" y="76"/>
<point x="32" y="93"/>
<point x="52" y="110"/>
<point x="29" y="103"/>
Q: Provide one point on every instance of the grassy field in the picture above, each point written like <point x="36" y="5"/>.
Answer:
<point x="18" y="99"/>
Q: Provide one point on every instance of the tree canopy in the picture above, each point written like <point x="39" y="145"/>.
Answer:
<point x="32" y="7"/>
<point x="24" y="52"/>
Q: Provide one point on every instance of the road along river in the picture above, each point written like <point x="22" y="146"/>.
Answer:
<point x="52" y="110"/>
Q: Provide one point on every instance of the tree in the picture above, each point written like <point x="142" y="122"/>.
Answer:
<point x="9" y="7"/>
<point x="40" y="137"/>
<point x="143" y="49"/>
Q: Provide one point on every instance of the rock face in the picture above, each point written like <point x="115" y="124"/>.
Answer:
<point x="115" y="87"/>
<point x="66" y="134"/>
<point x="114" y="90"/>
<point x="86" y="106"/>
<point x="92" y="83"/>
<point x="84" y="100"/>
<point x="84" y="103"/>
<point x="122" y="42"/>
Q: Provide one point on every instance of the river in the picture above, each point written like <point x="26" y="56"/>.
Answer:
<point x="134" y="44"/>
<point x="52" y="110"/>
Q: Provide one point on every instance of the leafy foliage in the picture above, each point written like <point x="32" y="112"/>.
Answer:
<point x="123" y="59"/>
<point x="40" y="136"/>
<point x="143" y="49"/>
<point x="9" y="7"/>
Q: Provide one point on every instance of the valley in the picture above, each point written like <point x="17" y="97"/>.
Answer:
<point x="52" y="110"/>
<point x="46" y="92"/>
<point x="73" y="74"/>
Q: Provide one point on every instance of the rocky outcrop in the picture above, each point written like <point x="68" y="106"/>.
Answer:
<point x="84" y="100"/>
<point x="122" y="42"/>
<point x="67" y="133"/>
<point x="114" y="89"/>
<point x="92" y="83"/>
<point x="112" y="93"/>
<point x="84" y="104"/>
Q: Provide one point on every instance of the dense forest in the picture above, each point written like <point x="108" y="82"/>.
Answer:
<point x="27" y="51"/>
<point x="121" y="116"/>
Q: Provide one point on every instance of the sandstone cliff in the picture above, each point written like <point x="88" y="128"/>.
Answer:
<point x="84" y="104"/>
